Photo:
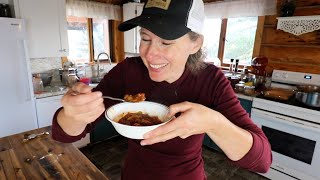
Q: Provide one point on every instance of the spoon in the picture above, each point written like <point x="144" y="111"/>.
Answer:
<point x="116" y="99"/>
<point x="127" y="98"/>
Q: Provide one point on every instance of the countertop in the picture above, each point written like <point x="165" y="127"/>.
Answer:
<point x="43" y="158"/>
<point x="49" y="92"/>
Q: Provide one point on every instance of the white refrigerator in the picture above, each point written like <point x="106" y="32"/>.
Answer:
<point x="17" y="101"/>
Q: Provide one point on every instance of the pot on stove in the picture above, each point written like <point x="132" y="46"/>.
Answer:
<point x="308" y="98"/>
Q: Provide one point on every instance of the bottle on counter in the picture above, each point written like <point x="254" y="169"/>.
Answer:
<point x="231" y="65"/>
<point x="236" y="66"/>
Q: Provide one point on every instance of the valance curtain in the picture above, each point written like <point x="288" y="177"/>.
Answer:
<point x="89" y="9"/>
<point x="240" y="8"/>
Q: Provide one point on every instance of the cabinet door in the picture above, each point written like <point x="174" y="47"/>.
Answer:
<point x="46" y="27"/>
<point x="246" y="104"/>
<point x="132" y="37"/>
<point x="102" y="131"/>
<point x="46" y="107"/>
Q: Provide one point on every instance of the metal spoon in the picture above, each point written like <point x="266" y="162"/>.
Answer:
<point x="112" y="98"/>
<point x="107" y="97"/>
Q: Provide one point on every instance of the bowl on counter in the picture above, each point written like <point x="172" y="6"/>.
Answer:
<point x="115" y="112"/>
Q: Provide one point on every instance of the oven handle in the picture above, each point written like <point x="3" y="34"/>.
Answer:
<point x="284" y="119"/>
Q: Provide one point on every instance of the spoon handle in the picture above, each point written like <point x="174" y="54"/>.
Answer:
<point x="112" y="98"/>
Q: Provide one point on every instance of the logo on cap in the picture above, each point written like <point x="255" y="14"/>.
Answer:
<point x="162" y="4"/>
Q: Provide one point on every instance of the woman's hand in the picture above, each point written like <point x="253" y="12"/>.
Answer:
<point x="194" y="119"/>
<point x="80" y="107"/>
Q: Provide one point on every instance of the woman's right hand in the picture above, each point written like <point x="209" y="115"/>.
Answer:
<point x="81" y="106"/>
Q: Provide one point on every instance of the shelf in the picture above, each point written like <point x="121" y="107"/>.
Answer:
<point x="298" y="25"/>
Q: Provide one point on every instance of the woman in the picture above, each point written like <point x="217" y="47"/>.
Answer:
<point x="170" y="71"/>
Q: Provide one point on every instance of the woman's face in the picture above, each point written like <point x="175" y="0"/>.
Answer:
<point x="166" y="59"/>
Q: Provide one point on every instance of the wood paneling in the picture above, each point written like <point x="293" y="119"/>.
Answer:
<point x="258" y="39"/>
<point x="273" y="36"/>
<point x="117" y="42"/>
<point x="286" y="51"/>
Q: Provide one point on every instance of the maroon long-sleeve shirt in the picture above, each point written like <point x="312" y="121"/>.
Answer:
<point x="177" y="158"/>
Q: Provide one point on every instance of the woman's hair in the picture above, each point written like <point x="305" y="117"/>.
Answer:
<point x="195" y="62"/>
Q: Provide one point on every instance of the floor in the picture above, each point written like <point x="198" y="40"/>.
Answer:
<point x="108" y="156"/>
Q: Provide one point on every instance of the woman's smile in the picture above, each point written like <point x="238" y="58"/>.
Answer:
<point x="158" y="66"/>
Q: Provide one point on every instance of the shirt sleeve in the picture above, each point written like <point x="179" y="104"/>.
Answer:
<point x="259" y="157"/>
<point x="111" y="85"/>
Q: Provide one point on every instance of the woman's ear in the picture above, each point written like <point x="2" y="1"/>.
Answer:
<point x="196" y="45"/>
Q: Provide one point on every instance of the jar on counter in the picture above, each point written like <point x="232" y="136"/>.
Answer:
<point x="37" y="85"/>
<point x="72" y="79"/>
<point x="239" y="88"/>
<point x="249" y="90"/>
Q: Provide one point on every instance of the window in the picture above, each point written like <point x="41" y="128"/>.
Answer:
<point x="87" y="38"/>
<point x="78" y="38"/>
<point x="100" y="37"/>
<point x="212" y="28"/>
<point x="238" y="40"/>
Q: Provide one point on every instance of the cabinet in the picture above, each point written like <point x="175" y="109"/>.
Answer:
<point x="132" y="37"/>
<point x="102" y="131"/>
<point x="46" y="107"/>
<point x="247" y="105"/>
<point x="46" y="26"/>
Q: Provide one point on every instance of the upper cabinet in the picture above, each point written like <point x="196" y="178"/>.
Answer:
<point x="132" y="37"/>
<point x="46" y="26"/>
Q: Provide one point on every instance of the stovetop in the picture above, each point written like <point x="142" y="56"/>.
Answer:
<point x="290" y="108"/>
<point x="291" y="101"/>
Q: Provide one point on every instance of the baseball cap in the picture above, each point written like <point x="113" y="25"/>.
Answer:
<point x="169" y="19"/>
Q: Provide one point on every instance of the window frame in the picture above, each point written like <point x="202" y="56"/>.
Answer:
<point x="222" y="39"/>
<point x="90" y="43"/>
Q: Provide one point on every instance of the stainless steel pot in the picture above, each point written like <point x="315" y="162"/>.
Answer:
<point x="308" y="88"/>
<point x="309" y="98"/>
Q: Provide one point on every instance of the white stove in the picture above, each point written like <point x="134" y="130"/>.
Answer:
<point x="293" y="129"/>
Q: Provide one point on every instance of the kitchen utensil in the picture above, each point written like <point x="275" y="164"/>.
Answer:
<point x="308" y="98"/>
<point x="112" y="98"/>
<point x="29" y="137"/>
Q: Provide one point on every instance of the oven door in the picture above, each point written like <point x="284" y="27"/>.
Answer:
<point x="294" y="143"/>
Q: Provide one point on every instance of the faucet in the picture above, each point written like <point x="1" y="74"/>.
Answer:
<point x="98" y="61"/>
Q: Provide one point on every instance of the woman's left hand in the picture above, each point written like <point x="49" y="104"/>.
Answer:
<point x="194" y="119"/>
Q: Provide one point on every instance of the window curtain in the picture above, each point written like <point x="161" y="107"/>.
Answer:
<point x="240" y="8"/>
<point x="90" y="9"/>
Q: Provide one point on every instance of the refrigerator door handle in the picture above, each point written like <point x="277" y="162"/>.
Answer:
<point x="25" y="68"/>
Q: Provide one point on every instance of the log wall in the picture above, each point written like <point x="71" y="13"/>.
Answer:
<point x="286" y="51"/>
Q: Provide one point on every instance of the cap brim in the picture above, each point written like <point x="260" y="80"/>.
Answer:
<point x="165" y="28"/>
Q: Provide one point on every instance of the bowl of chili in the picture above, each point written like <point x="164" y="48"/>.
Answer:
<point x="133" y="120"/>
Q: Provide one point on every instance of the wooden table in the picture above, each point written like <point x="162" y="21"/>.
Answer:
<point x="43" y="158"/>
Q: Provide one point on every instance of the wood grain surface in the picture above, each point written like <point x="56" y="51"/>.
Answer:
<point x="43" y="158"/>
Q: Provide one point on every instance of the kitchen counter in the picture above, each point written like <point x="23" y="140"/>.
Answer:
<point x="243" y="96"/>
<point x="43" y="158"/>
<point x="49" y="92"/>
